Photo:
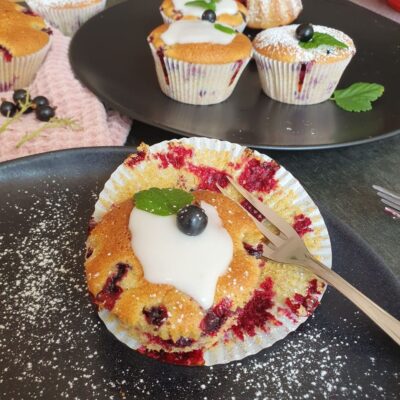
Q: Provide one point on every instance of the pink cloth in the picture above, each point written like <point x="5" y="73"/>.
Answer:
<point x="56" y="81"/>
<point x="380" y="7"/>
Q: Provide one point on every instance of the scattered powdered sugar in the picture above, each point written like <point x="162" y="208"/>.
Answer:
<point x="59" y="3"/>
<point x="284" y="38"/>
<point x="52" y="344"/>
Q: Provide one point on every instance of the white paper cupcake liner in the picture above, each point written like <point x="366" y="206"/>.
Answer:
<point x="240" y="28"/>
<point x="197" y="84"/>
<point x="280" y="80"/>
<point x="115" y="191"/>
<point x="21" y="71"/>
<point x="67" y="19"/>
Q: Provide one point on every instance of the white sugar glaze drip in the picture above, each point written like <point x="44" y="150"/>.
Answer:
<point x="192" y="264"/>
<point x="184" y="32"/>
<point x="222" y="7"/>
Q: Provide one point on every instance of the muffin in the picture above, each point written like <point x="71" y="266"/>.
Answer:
<point x="227" y="12"/>
<point x="24" y="42"/>
<point x="297" y="69"/>
<point x="220" y="300"/>
<point x="67" y="15"/>
<point x="263" y="14"/>
<point x="198" y="62"/>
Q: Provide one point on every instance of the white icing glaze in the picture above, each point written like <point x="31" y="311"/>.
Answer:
<point x="285" y="37"/>
<point x="196" y="31"/>
<point x="192" y="264"/>
<point x="222" y="7"/>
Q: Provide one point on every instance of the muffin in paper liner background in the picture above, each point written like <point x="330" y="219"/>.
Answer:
<point x="287" y="295"/>
<point x="67" y="15"/>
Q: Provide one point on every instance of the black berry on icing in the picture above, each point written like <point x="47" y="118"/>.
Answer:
<point x="192" y="220"/>
<point x="8" y="109"/>
<point x="40" y="101"/>
<point x="45" y="113"/>
<point x="304" y="32"/>
<point x="209" y="15"/>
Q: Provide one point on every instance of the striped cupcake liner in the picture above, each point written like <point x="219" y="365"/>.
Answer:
<point x="299" y="83"/>
<point x="67" y="19"/>
<point x="239" y="28"/>
<point x="197" y="84"/>
<point x="125" y="181"/>
<point x="20" y="72"/>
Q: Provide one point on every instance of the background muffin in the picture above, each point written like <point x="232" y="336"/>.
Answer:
<point x="227" y="12"/>
<point x="67" y="15"/>
<point x="24" y="43"/>
<point x="264" y="14"/>
<point x="198" y="62"/>
<point x="301" y="72"/>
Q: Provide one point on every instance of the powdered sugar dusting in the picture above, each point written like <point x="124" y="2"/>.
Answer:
<point x="284" y="38"/>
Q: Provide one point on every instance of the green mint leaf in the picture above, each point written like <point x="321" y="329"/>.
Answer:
<point x="202" y="4"/>
<point x="224" y="29"/>
<point x="322" y="39"/>
<point x="358" y="96"/>
<point x="162" y="201"/>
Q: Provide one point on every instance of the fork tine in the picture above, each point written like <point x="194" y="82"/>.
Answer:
<point x="272" y="237"/>
<point x="268" y="252"/>
<point x="389" y="198"/>
<point x="386" y="191"/>
<point x="391" y="204"/>
<point x="270" y="215"/>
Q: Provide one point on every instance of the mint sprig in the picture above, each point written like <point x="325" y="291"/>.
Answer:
<point x="224" y="29"/>
<point x="207" y="5"/>
<point x="358" y="97"/>
<point x="162" y="201"/>
<point x="322" y="39"/>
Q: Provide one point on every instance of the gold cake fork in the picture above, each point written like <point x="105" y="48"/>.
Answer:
<point x="287" y="247"/>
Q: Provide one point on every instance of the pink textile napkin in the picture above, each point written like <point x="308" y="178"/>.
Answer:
<point x="56" y="81"/>
<point x="380" y="7"/>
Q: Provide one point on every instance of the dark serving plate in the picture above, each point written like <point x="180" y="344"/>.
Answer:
<point x="53" y="345"/>
<point x="109" y="54"/>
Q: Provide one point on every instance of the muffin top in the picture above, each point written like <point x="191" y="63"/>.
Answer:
<point x="113" y="261"/>
<point x="64" y="3"/>
<point x="200" y="42"/>
<point x="21" y="32"/>
<point x="229" y="12"/>
<point x="281" y="44"/>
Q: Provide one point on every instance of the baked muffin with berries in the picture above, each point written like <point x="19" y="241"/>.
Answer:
<point x="67" y="15"/>
<point x="24" y="42"/>
<point x="226" y="12"/>
<point x="264" y="14"/>
<point x="175" y="266"/>
<point x="301" y="64"/>
<point x="198" y="62"/>
<point x="175" y="282"/>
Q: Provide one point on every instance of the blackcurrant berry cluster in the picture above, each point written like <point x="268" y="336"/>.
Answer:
<point x="40" y="105"/>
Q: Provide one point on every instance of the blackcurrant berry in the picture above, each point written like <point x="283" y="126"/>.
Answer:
<point x="40" y="101"/>
<point x="8" y="109"/>
<point x="45" y="113"/>
<point x="209" y="15"/>
<point x="191" y="220"/>
<point x="21" y="96"/>
<point x="304" y="32"/>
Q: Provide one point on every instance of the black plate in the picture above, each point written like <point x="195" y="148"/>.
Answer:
<point x="52" y="344"/>
<point x="110" y="55"/>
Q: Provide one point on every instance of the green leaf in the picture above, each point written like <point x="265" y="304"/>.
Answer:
<point x="322" y="39"/>
<point x="202" y="4"/>
<point x="358" y="96"/>
<point x="224" y="29"/>
<point x="162" y="201"/>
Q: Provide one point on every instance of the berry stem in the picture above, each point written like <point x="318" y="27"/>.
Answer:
<point x="53" y="123"/>
<point x="17" y="116"/>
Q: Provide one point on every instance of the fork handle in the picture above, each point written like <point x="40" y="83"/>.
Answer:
<point x="383" y="319"/>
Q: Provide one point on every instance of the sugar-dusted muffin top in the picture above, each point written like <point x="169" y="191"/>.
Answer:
<point x="281" y="44"/>
<point x="63" y="3"/>
<point x="200" y="42"/>
<point x="21" y="32"/>
<point x="112" y="262"/>
<point x="229" y="12"/>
